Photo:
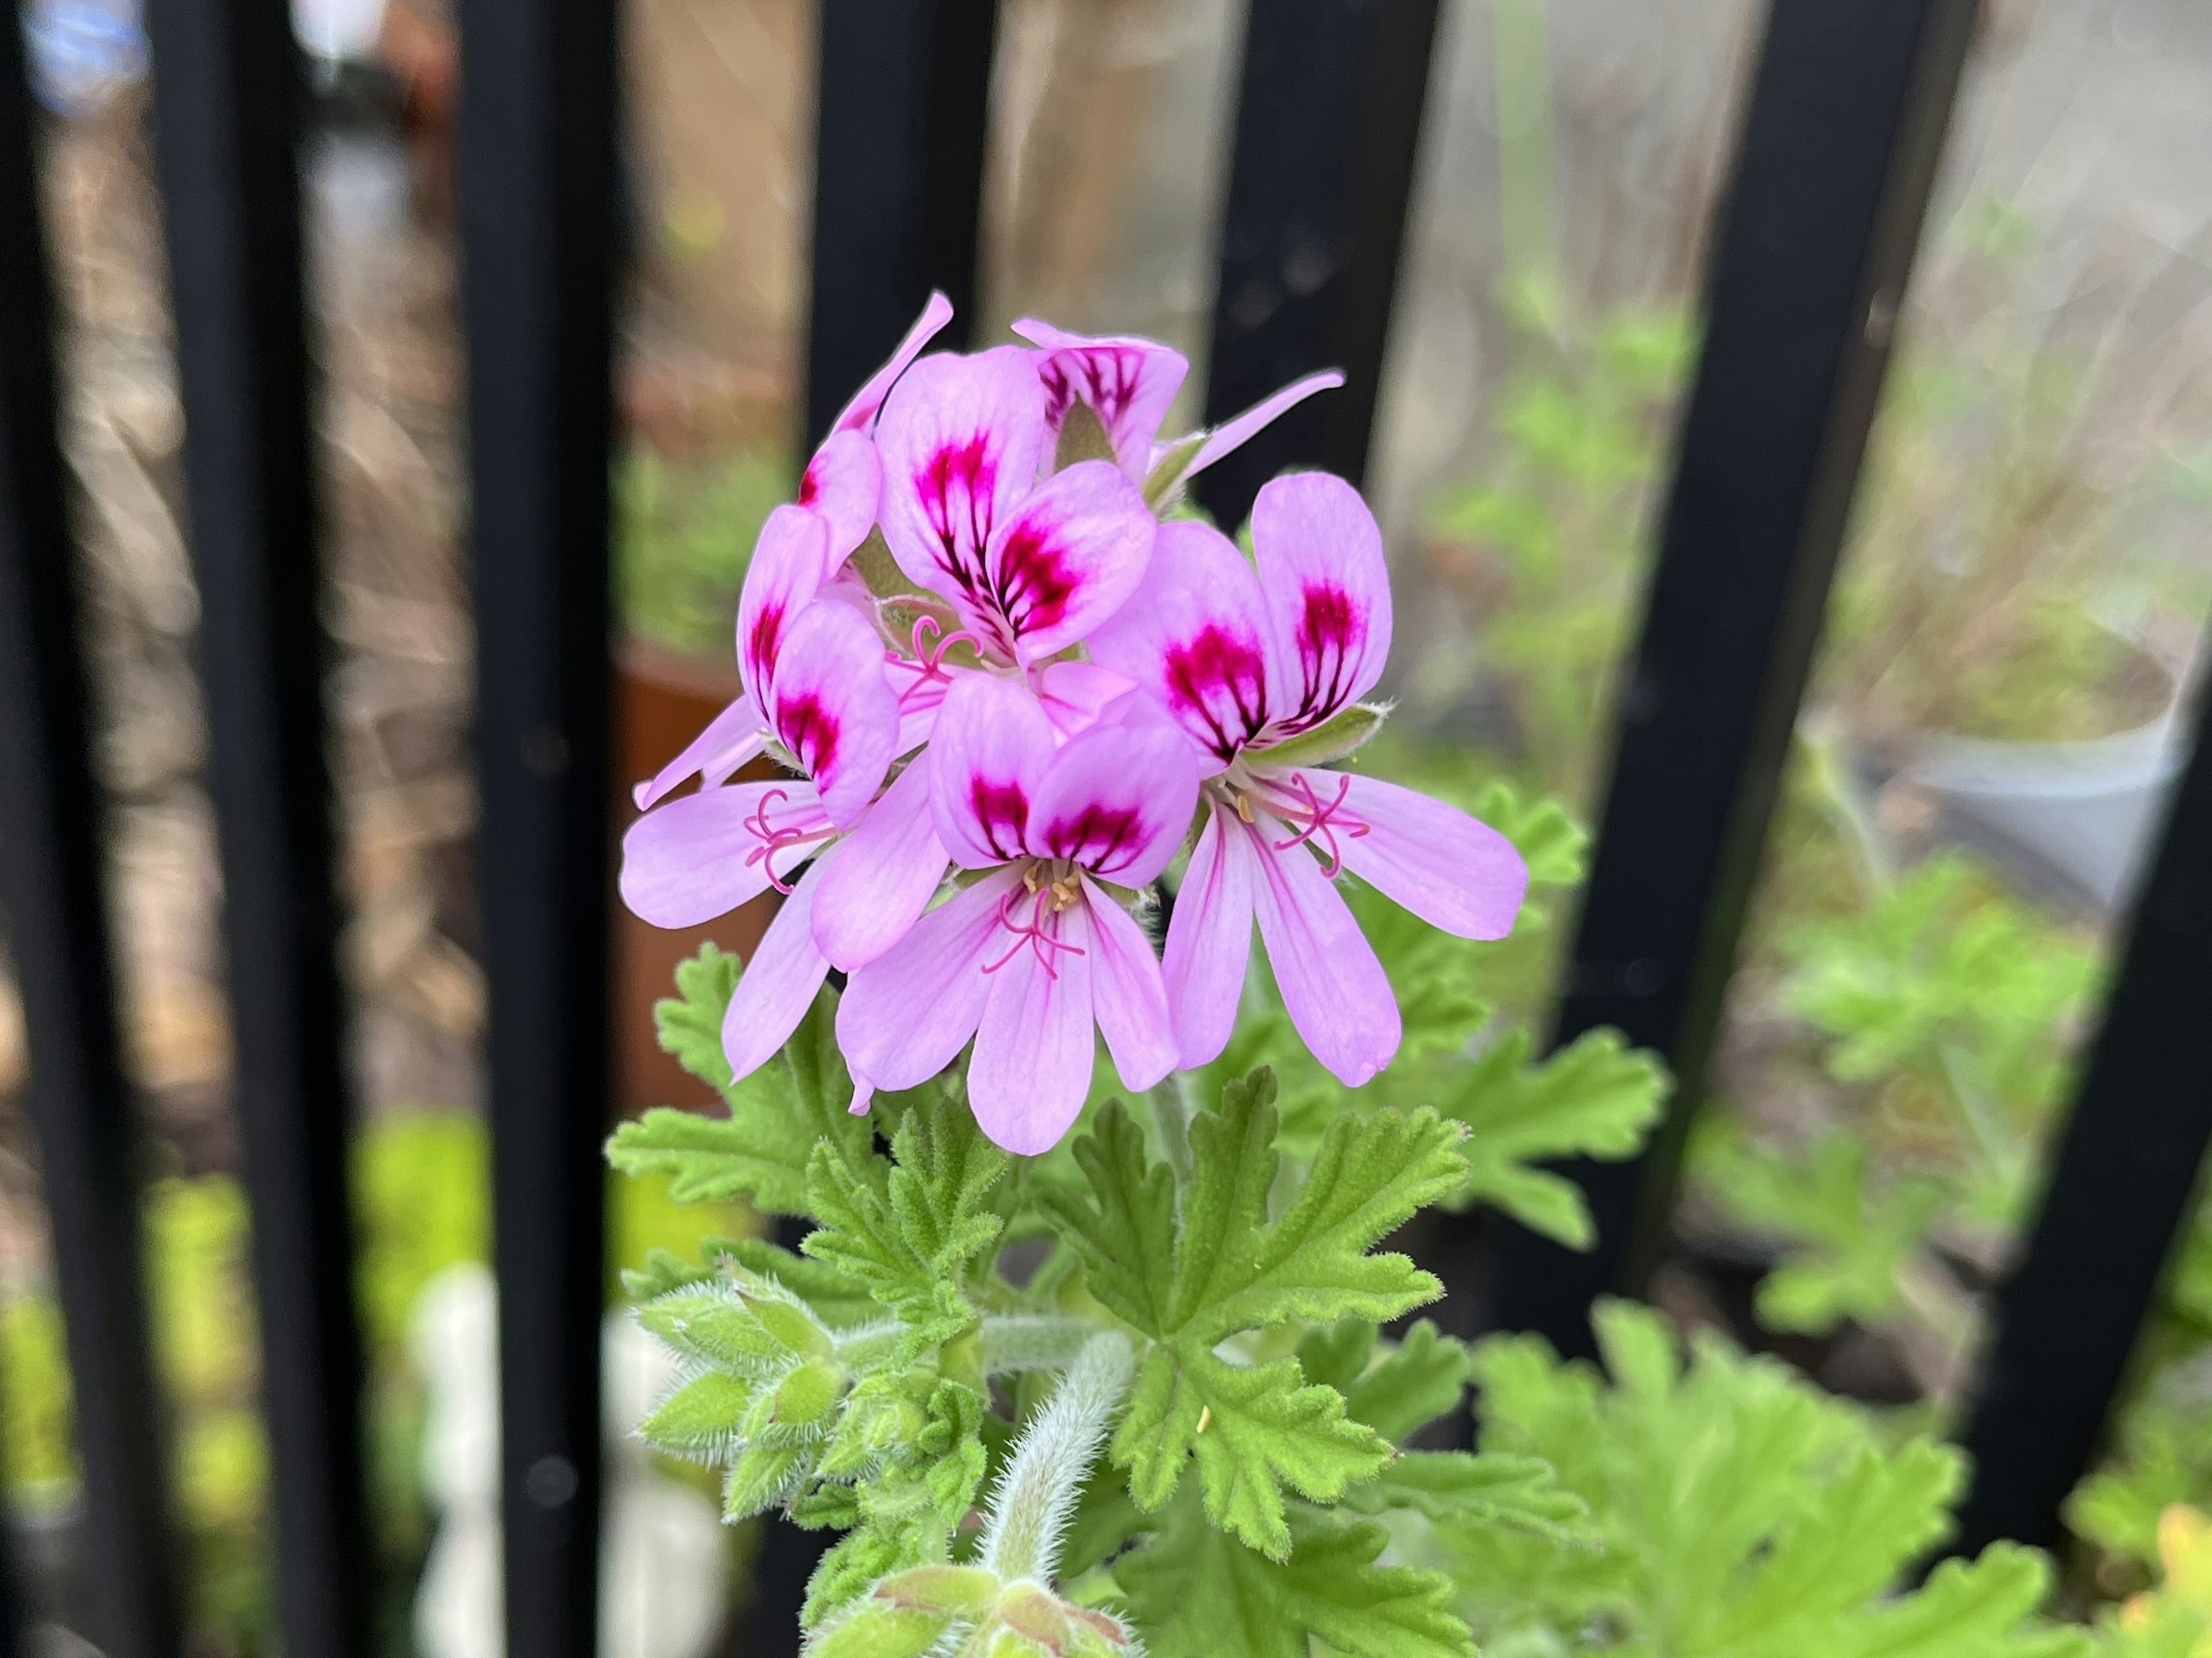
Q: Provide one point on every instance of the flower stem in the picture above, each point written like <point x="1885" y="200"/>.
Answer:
<point x="1044" y="1477"/>
<point x="1171" y="1112"/>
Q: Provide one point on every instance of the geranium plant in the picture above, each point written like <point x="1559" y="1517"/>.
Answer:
<point x="1085" y="1359"/>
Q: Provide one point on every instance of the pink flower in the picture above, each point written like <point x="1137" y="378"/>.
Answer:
<point x="812" y="673"/>
<point x="1129" y="384"/>
<point x="843" y="482"/>
<point x="1033" y="955"/>
<point x="1254" y="666"/>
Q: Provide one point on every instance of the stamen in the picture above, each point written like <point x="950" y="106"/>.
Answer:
<point x="773" y="839"/>
<point x="1318" y="815"/>
<point x="1033" y="935"/>
<point x="1244" y="805"/>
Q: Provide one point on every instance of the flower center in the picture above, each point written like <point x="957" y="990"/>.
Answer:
<point x="1291" y="798"/>
<point x="1032" y="913"/>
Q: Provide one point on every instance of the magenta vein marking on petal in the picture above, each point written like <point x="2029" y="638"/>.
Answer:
<point x="1095" y="836"/>
<point x="1035" y="585"/>
<point x="1320" y="819"/>
<point x="972" y="468"/>
<point x="810" y="731"/>
<point x="1214" y="662"/>
<point x="1032" y="934"/>
<point x="1000" y="807"/>
<point x="1330" y="629"/>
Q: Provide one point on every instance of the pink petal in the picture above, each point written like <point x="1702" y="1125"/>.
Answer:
<point x="1035" y="1050"/>
<point x="859" y="413"/>
<point x="779" y="983"/>
<point x="731" y="737"/>
<point x="1333" y="987"/>
<point x="886" y="872"/>
<point x="1240" y="429"/>
<point x="701" y="855"/>
<point x="1077" y="696"/>
<point x="1197" y="636"/>
<point x="833" y="709"/>
<point x="987" y="758"/>
<point x="1210" y="940"/>
<point x="1451" y="870"/>
<point x="960" y="438"/>
<point x="1320" y="554"/>
<point x="907" y="1015"/>
<point x="1117" y="800"/>
<point x="1129" y="384"/>
<point x="842" y="483"/>
<point x="1127" y="994"/>
<point x="786" y="571"/>
<point x="1069" y="559"/>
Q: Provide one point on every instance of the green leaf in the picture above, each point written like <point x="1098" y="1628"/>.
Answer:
<point x="1853" y="1239"/>
<point x="777" y="1114"/>
<point x="1596" y="1098"/>
<point x="1253" y="1432"/>
<point x="1465" y="1490"/>
<point x="1742" y="1512"/>
<point x="1420" y="1380"/>
<point x="910" y="1235"/>
<point x="1194" y="1592"/>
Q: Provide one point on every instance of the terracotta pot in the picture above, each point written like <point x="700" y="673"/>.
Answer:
<point x="662" y="701"/>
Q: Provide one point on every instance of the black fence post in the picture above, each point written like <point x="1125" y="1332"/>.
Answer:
<point x="50" y="853"/>
<point x="903" y="103"/>
<point x="1837" y="158"/>
<point x="538" y="248"/>
<point x="1329" y="123"/>
<point x="2118" y="1201"/>
<point x="228" y="95"/>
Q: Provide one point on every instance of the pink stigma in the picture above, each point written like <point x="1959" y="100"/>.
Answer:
<point x="929" y="650"/>
<point x="1320" y="814"/>
<point x="1032" y="935"/>
<point x="773" y="839"/>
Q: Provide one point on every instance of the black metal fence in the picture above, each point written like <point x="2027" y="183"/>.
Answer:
<point x="1839" y="150"/>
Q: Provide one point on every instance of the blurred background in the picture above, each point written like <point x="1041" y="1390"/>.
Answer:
<point x="1989" y="734"/>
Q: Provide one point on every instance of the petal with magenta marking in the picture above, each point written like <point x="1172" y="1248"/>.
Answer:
<point x="702" y="855"/>
<point x="843" y="483"/>
<point x="857" y="415"/>
<point x="833" y="709"/>
<point x="1320" y="554"/>
<point x="960" y="439"/>
<point x="1127" y="994"/>
<point x="1197" y="636"/>
<point x="886" y="871"/>
<point x="1116" y="800"/>
<point x="1210" y="940"/>
<point x="1128" y="383"/>
<point x="782" y="580"/>
<point x="1453" y="871"/>
<point x="1067" y="559"/>
<point x="779" y="983"/>
<point x="1332" y="986"/>
<point x="1034" y="1048"/>
<point x="907" y="1015"/>
<point x="987" y="757"/>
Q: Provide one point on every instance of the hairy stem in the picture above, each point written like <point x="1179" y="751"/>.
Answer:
<point x="1043" y="1478"/>
<point x="1172" y="1112"/>
<point x="1023" y="1341"/>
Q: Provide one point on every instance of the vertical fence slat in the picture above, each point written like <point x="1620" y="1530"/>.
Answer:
<point x="229" y="97"/>
<point x="57" y="927"/>
<point x="1835" y="160"/>
<point x="538" y="220"/>
<point x="903" y="101"/>
<point x="2118" y="1202"/>
<point x="1329" y="121"/>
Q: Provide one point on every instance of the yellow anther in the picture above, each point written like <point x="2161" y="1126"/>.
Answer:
<point x="1064" y="892"/>
<point x="1205" y="1416"/>
<point x="1244" y="805"/>
<point x="1030" y="880"/>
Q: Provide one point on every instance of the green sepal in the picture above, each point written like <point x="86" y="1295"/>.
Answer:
<point x="702" y="1418"/>
<point x="1082" y="437"/>
<point x="1333" y="740"/>
<point x="763" y="1476"/>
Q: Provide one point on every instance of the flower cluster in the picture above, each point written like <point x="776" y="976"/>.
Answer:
<point x="985" y="665"/>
